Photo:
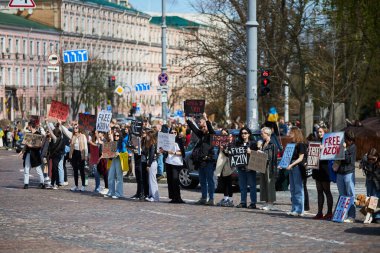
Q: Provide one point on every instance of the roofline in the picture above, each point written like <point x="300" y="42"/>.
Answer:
<point x="26" y="29"/>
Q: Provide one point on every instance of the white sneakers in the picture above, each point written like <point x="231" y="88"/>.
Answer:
<point x="295" y="214"/>
<point x="74" y="189"/>
<point x="267" y="207"/>
<point x="83" y="188"/>
<point x="65" y="183"/>
<point x="104" y="191"/>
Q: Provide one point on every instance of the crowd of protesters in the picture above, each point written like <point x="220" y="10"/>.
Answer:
<point x="64" y="142"/>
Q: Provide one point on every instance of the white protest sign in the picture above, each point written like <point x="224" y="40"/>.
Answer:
<point x="313" y="153"/>
<point x="103" y="121"/>
<point x="287" y="156"/>
<point x="332" y="146"/>
<point x="166" y="141"/>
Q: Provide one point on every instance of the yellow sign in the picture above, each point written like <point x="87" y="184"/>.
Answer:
<point x="119" y="90"/>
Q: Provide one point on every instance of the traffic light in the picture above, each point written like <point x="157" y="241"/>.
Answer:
<point x="133" y="109"/>
<point x="112" y="81"/>
<point x="265" y="81"/>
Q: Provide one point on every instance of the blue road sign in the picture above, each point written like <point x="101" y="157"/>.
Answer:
<point x="73" y="56"/>
<point x="142" y="86"/>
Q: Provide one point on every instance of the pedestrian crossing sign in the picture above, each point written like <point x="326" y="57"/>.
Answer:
<point x="119" y="90"/>
<point x="22" y="4"/>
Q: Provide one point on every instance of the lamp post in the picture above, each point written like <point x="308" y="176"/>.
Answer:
<point x="163" y="66"/>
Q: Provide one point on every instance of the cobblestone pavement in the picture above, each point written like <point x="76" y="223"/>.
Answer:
<point x="37" y="220"/>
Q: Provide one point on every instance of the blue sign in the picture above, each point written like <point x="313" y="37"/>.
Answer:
<point x="287" y="156"/>
<point x="341" y="210"/>
<point x="73" y="56"/>
<point x="109" y="108"/>
<point x="142" y="86"/>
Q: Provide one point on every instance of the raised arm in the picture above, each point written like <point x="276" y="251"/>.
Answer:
<point x="66" y="131"/>
<point x="50" y="127"/>
<point x="193" y="128"/>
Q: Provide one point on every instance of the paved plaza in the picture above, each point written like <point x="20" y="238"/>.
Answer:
<point x="36" y="220"/>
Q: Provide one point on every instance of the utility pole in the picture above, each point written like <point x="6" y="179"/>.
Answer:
<point x="164" y="93"/>
<point x="252" y="107"/>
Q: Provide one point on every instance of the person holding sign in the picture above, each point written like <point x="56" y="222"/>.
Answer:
<point x="295" y="176"/>
<point x="345" y="177"/>
<point x="150" y="150"/>
<point x="78" y="154"/>
<point x="115" y="173"/>
<point x="174" y="163"/>
<point x="32" y="159"/>
<point x="322" y="181"/>
<point x="203" y="159"/>
<point x="268" y="179"/>
<point x="246" y="177"/>
<point x="56" y="152"/>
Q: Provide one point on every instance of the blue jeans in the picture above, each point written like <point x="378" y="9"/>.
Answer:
<point x="206" y="178"/>
<point x="247" y="177"/>
<point x="115" y="174"/>
<point x="97" y="177"/>
<point x="296" y="190"/>
<point x="160" y="164"/>
<point x="61" y="172"/>
<point x="346" y="187"/>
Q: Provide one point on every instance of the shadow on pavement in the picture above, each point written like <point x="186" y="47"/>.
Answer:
<point x="364" y="230"/>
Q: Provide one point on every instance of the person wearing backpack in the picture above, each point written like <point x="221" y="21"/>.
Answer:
<point x="203" y="159"/>
<point x="56" y="151"/>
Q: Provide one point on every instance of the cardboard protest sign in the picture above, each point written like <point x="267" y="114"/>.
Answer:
<point x="258" y="161"/>
<point x="287" y="156"/>
<point x="194" y="107"/>
<point x="109" y="149"/>
<point x="58" y="111"/>
<point x="136" y="143"/>
<point x="87" y="122"/>
<point x="35" y="119"/>
<point x="94" y="154"/>
<point x="220" y="140"/>
<point x="238" y="156"/>
<point x="313" y="154"/>
<point x="166" y="141"/>
<point x="103" y="121"/>
<point x="332" y="146"/>
<point x="32" y="140"/>
<point x="136" y="127"/>
<point x="343" y="205"/>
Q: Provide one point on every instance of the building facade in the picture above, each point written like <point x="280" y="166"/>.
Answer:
<point x="126" y="40"/>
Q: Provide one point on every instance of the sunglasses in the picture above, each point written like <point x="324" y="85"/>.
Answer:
<point x="244" y="132"/>
<point x="75" y="127"/>
<point x="116" y="135"/>
<point x="174" y="132"/>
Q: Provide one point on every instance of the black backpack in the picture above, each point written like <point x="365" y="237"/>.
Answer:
<point x="201" y="151"/>
<point x="305" y="172"/>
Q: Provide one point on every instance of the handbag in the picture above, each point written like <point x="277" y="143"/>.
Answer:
<point x="220" y="164"/>
<point x="124" y="161"/>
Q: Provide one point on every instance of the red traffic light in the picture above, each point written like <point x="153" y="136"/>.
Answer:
<point x="265" y="73"/>
<point x="113" y="78"/>
<point x="134" y="104"/>
<point x="265" y="82"/>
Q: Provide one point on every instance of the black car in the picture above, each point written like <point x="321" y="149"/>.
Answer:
<point x="189" y="176"/>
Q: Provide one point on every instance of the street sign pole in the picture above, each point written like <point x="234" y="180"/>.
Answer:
<point x="163" y="66"/>
<point x="252" y="107"/>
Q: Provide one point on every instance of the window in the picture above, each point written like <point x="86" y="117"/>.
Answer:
<point x="24" y="76"/>
<point x="2" y="76"/>
<point x="31" y="47"/>
<point x="51" y="47"/>
<point x="45" y="49"/>
<point x="17" y="46"/>
<point x="10" y="46"/>
<point x="2" y="44"/>
<point x="38" y="76"/>
<point x="18" y="77"/>
<point x="45" y="77"/>
<point x="38" y="48"/>
<point x="31" y="76"/>
<point x="56" y="48"/>
<point x="25" y="48"/>
<point x="10" y="79"/>
<point x="30" y="103"/>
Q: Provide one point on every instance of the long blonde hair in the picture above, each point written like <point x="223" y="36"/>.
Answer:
<point x="298" y="136"/>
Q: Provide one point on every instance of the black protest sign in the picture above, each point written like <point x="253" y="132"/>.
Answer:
<point x="238" y="156"/>
<point x="194" y="107"/>
<point x="87" y="122"/>
<point x="313" y="154"/>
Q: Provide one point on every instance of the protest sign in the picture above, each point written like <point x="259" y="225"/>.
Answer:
<point x="136" y="127"/>
<point x="94" y="155"/>
<point x="332" y="146"/>
<point x="313" y="154"/>
<point x="166" y="141"/>
<point x="87" y="122"/>
<point x="109" y="149"/>
<point x="258" y="161"/>
<point x="136" y="143"/>
<point x="238" y="156"/>
<point x="287" y="156"/>
<point x="35" y="119"/>
<point x="58" y="111"/>
<point x="343" y="205"/>
<point x="220" y="140"/>
<point x="194" y="107"/>
<point x="103" y="121"/>
<point x="32" y="140"/>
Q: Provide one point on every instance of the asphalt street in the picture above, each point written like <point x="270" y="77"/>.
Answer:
<point x="36" y="220"/>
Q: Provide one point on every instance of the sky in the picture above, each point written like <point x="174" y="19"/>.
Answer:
<point x="181" y="6"/>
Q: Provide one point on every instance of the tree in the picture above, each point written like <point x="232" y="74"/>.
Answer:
<point x="86" y="83"/>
